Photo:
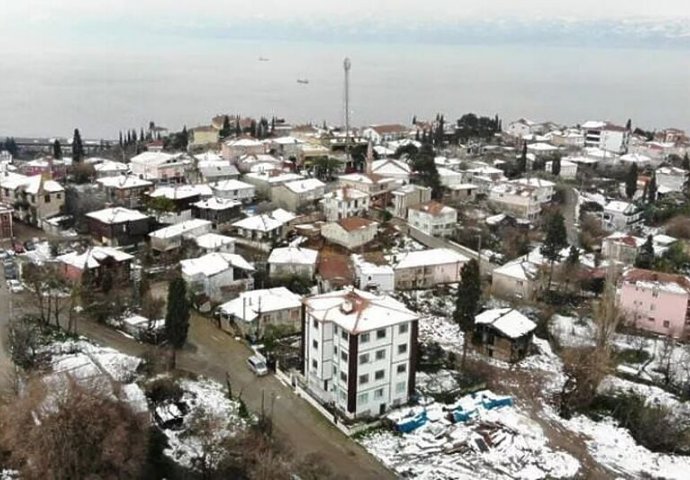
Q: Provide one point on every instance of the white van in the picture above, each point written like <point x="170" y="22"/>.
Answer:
<point x="257" y="364"/>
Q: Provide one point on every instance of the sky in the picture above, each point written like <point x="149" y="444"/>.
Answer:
<point x="50" y="23"/>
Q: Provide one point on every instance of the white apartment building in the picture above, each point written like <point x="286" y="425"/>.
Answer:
<point x="234" y="190"/>
<point x="519" y="200"/>
<point x="606" y="136"/>
<point x="672" y="178"/>
<point x="160" y="166"/>
<point x="433" y="218"/>
<point x="359" y="351"/>
<point x="344" y="202"/>
<point x="619" y="215"/>
<point x="372" y="276"/>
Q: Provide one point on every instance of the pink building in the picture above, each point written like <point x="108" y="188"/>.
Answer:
<point x="655" y="301"/>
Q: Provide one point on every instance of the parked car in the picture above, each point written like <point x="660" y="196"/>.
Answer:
<point x="257" y="365"/>
<point x="18" y="248"/>
<point x="15" y="286"/>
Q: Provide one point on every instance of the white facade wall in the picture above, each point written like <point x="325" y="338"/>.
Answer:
<point x="336" y="209"/>
<point x="352" y="239"/>
<point x="244" y="194"/>
<point x="441" y="225"/>
<point x="278" y="270"/>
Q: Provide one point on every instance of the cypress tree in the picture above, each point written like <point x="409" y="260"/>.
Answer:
<point x="652" y="189"/>
<point x="121" y="140"/>
<point x="556" y="239"/>
<point x="77" y="147"/>
<point x="225" y="129"/>
<point x="645" y="258"/>
<point x="686" y="162"/>
<point x="177" y="315"/>
<point x="57" y="150"/>
<point x="556" y="165"/>
<point x="467" y="302"/>
<point x="522" y="163"/>
<point x="631" y="181"/>
<point x="142" y="137"/>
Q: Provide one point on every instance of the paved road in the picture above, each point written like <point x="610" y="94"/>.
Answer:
<point x="212" y="353"/>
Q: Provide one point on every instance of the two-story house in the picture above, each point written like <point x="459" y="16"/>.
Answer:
<point x="161" y="167"/>
<point x="619" y="215"/>
<point x="351" y="232"/>
<point x="433" y="218"/>
<point x="427" y="268"/>
<point x="408" y="195"/>
<point x="293" y="195"/>
<point x="34" y="199"/>
<point x="118" y="226"/>
<point x="125" y="190"/>
<point x="359" y="351"/>
<point x="234" y="190"/>
<point x="217" y="275"/>
<point x="655" y="301"/>
<point x="344" y="202"/>
<point x="292" y="261"/>
<point x="372" y="184"/>
<point x="99" y="262"/>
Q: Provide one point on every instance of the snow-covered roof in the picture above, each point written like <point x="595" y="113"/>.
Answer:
<point x="390" y="167"/>
<point x="422" y="258"/>
<point x="266" y="221"/>
<point x="210" y="156"/>
<point x="117" y="215"/>
<point x="211" y="241"/>
<point x="365" y="178"/>
<point x="635" y="158"/>
<point x="30" y="184"/>
<point x="534" y="182"/>
<point x="447" y="172"/>
<point x="672" y="171"/>
<point x="508" y="321"/>
<point x="520" y="269"/>
<point x="124" y="181"/>
<point x="181" y="228"/>
<point x="593" y="124"/>
<point x="182" y="191"/>
<point x="93" y="257"/>
<point x="346" y="193"/>
<point x="293" y="255"/>
<point x="231" y="184"/>
<point x="215" y="203"/>
<point x="157" y="158"/>
<point x="368" y="268"/>
<point x="432" y="208"/>
<point x="217" y="168"/>
<point x="357" y="311"/>
<point x="244" y="142"/>
<point x="214" y="263"/>
<point x="287" y="141"/>
<point x="110" y="166"/>
<point x="249" y="304"/>
<point x="541" y="147"/>
<point x="271" y="179"/>
<point x="303" y="186"/>
<point x="651" y="280"/>
<point x="618" y="206"/>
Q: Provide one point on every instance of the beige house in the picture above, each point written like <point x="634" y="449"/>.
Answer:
<point x="292" y="261"/>
<point x="371" y="184"/>
<point x="256" y="311"/>
<point x="516" y="199"/>
<point x="293" y="195"/>
<point x="233" y="149"/>
<point x="351" y="233"/>
<point x="428" y="268"/>
<point x="33" y="198"/>
<point x="517" y="279"/>
<point x="344" y="202"/>
<point x="433" y="218"/>
<point x="202" y="136"/>
<point x="408" y="195"/>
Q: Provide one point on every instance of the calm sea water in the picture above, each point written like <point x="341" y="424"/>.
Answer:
<point x="103" y="92"/>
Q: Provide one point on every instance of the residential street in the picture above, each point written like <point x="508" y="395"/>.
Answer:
<point x="212" y="353"/>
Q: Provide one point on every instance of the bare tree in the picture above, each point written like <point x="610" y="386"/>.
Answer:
<point x="209" y="436"/>
<point x="72" y="432"/>
<point x="23" y="341"/>
<point x="49" y="290"/>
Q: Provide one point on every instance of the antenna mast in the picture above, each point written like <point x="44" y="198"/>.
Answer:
<point x="346" y="66"/>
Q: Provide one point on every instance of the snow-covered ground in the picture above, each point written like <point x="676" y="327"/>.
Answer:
<point x="207" y="400"/>
<point x="502" y="443"/>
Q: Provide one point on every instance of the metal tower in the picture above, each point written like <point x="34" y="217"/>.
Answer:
<point x="346" y="66"/>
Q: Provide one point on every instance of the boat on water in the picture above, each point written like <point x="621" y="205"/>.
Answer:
<point x="263" y="59"/>
<point x="303" y="81"/>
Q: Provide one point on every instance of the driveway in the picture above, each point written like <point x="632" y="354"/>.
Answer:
<point x="212" y="353"/>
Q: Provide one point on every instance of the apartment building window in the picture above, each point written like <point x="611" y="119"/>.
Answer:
<point x="667" y="324"/>
<point x="364" y="358"/>
<point x="380" y="355"/>
<point x="342" y="395"/>
<point x="651" y="319"/>
<point x="378" y="393"/>
<point x="344" y="335"/>
<point x="379" y="375"/>
<point x="402" y="368"/>
<point x="651" y="307"/>
<point x="343" y="356"/>
<point x="315" y="324"/>
<point x="362" y="398"/>
<point x="46" y="198"/>
<point x="314" y="364"/>
<point x="59" y="196"/>
<point x="380" y="334"/>
<point x="363" y="379"/>
<point x="404" y="328"/>
<point x="400" y="387"/>
<point x="402" y="348"/>
<point x="343" y="377"/>
<point x="315" y="343"/>
<point x="364" y="338"/>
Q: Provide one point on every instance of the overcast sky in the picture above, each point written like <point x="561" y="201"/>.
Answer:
<point x="27" y="24"/>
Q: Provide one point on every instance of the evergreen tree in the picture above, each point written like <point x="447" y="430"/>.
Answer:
<point x="427" y="173"/>
<point x="645" y="258"/>
<point x="522" y="162"/>
<point x="225" y="129"/>
<point x="273" y="125"/>
<point x="652" y="189"/>
<point x="573" y="256"/>
<point x="686" y="162"/>
<point x="134" y="136"/>
<point x="77" y="147"/>
<point x="414" y="119"/>
<point x="238" y="127"/>
<point x="631" y="181"/>
<point x="253" y="129"/>
<point x="416" y="135"/>
<point x="184" y="137"/>
<point x="57" y="150"/>
<point x="628" y="125"/>
<point x="142" y="137"/>
<point x="467" y="302"/>
<point x="177" y="315"/>
<point x="11" y="146"/>
<point x="556" y="165"/>
<point x="121" y="140"/>
<point x="556" y="239"/>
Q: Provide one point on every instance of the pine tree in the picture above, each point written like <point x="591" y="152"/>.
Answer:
<point x="556" y="165"/>
<point x="556" y="239"/>
<point x="177" y="315"/>
<point x="77" y="147"/>
<point x="686" y="162"/>
<point x="631" y="181"/>
<point x="628" y="125"/>
<point x="225" y="129"/>
<point x="652" y="189"/>
<point x="11" y="146"/>
<point x="645" y="258"/>
<point x="467" y="302"/>
<point x="238" y="127"/>
<point x="414" y="119"/>
<point x="57" y="150"/>
<point x="522" y="163"/>
<point x="184" y="138"/>
<point x="427" y="173"/>
<point x="121" y="140"/>
<point x="142" y="137"/>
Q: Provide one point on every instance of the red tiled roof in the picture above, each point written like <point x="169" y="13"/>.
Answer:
<point x="355" y="223"/>
<point x="392" y="128"/>
<point x="335" y="266"/>
<point x="640" y="275"/>
<point x="432" y="207"/>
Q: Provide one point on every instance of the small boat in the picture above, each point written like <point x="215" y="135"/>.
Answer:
<point x="303" y="81"/>
<point x="263" y="59"/>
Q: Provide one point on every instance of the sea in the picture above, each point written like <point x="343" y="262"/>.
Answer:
<point x="104" y="91"/>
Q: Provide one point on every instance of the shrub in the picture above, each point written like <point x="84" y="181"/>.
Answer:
<point x="164" y="390"/>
